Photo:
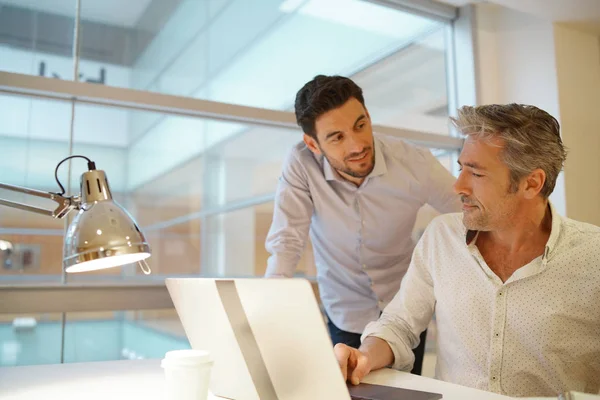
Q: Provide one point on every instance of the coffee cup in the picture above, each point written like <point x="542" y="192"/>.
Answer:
<point x="187" y="374"/>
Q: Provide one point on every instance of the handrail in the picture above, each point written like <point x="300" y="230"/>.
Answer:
<point x="56" y="297"/>
<point x="83" y="297"/>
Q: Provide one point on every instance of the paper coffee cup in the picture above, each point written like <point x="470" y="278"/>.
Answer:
<point x="187" y="374"/>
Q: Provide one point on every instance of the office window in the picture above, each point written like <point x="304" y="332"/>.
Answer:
<point x="188" y="48"/>
<point x="200" y="187"/>
<point x="30" y="339"/>
<point x="36" y="37"/>
<point x="34" y="136"/>
<point x="122" y="335"/>
<point x="89" y="336"/>
<point x="197" y="187"/>
<point x="189" y="182"/>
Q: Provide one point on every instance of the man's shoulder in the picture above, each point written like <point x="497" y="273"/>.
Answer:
<point x="447" y="226"/>
<point x="300" y="161"/>
<point x="298" y="149"/>
<point x="398" y="148"/>
<point x="580" y="227"/>
<point x="577" y="232"/>
<point x="300" y="156"/>
<point x="393" y="142"/>
<point x="300" y="153"/>
<point x="444" y="233"/>
<point x="452" y="221"/>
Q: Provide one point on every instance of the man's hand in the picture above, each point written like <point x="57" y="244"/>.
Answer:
<point x="355" y="364"/>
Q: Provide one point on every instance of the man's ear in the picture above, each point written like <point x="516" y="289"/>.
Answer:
<point x="312" y="144"/>
<point x="534" y="183"/>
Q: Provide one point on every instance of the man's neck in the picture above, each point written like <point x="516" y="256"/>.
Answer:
<point x="506" y="250"/>
<point x="529" y="228"/>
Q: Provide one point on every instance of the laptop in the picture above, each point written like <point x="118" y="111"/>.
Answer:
<point x="268" y="340"/>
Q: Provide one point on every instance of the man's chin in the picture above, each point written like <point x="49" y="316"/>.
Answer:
<point x="474" y="224"/>
<point x="470" y="223"/>
<point x="360" y="173"/>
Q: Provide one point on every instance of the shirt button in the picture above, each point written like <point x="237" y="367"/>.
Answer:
<point x="493" y="378"/>
<point x="497" y="334"/>
<point x="500" y="294"/>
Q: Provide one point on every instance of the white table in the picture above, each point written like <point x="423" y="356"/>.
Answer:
<point x="144" y="379"/>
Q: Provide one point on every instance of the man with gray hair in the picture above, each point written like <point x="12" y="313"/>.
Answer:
<point x="514" y="285"/>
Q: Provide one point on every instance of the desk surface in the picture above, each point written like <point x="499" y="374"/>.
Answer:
<point x="144" y="379"/>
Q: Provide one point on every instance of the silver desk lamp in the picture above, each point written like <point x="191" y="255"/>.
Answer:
<point x="102" y="234"/>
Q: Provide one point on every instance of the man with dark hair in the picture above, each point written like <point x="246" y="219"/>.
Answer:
<point x="358" y="194"/>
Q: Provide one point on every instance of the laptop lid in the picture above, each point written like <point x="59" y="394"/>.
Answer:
<point x="267" y="337"/>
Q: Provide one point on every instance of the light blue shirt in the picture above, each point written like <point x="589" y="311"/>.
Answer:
<point x="361" y="235"/>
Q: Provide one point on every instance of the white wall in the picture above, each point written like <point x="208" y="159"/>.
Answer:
<point x="578" y="68"/>
<point x="516" y="63"/>
<point x="525" y="59"/>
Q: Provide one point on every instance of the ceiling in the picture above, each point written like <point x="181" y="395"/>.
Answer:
<point x="579" y="14"/>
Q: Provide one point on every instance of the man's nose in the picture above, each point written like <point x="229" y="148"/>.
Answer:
<point x="355" y="145"/>
<point x="462" y="186"/>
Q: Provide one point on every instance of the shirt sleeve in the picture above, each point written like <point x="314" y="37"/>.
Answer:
<point x="409" y="312"/>
<point x="439" y="190"/>
<point x="292" y="214"/>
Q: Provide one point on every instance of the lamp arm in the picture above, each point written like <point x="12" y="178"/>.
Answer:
<point x="65" y="204"/>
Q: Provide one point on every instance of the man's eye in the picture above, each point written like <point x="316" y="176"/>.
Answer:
<point x="472" y="173"/>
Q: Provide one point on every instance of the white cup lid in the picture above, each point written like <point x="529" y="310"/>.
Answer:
<point x="187" y="357"/>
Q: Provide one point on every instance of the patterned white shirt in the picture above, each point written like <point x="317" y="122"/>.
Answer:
<point x="537" y="334"/>
<point x="361" y="235"/>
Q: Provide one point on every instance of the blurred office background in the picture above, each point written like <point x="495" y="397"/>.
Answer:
<point x="188" y="107"/>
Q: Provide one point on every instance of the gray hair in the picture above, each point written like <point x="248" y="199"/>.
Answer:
<point x="531" y="136"/>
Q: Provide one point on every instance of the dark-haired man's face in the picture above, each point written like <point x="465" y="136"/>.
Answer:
<point x="345" y="138"/>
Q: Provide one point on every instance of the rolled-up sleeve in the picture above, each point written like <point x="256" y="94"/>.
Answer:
<point x="409" y="312"/>
<point x="292" y="213"/>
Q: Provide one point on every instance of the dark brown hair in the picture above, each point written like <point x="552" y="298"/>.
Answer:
<point x="323" y="94"/>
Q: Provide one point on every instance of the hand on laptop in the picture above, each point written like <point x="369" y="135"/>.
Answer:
<point x="354" y="363"/>
<point x="374" y="353"/>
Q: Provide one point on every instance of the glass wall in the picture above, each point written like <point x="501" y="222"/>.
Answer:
<point x="187" y="179"/>
<point x="89" y="336"/>
<point x="188" y="48"/>
<point x="201" y="188"/>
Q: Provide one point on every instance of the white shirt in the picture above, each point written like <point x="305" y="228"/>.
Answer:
<point x="537" y="334"/>
<point x="361" y="235"/>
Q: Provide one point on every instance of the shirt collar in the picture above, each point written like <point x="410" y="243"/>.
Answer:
<point x="379" y="168"/>
<point x="330" y="173"/>
<point x="555" y="230"/>
<point x="552" y="240"/>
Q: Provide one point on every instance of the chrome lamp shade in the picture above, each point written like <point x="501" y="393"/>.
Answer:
<point x="102" y="234"/>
